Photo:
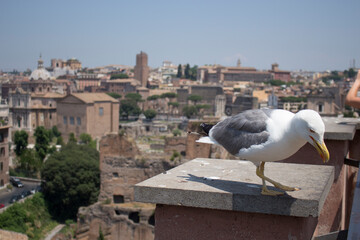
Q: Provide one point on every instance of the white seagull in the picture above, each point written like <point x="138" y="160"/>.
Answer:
<point x="267" y="135"/>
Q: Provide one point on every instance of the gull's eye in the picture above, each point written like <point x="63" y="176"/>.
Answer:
<point x="312" y="131"/>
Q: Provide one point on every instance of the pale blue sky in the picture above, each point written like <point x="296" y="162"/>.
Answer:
<point x="309" y="35"/>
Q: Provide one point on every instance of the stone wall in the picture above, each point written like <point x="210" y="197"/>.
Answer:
<point x="175" y="144"/>
<point x="9" y="235"/>
<point x="121" y="167"/>
<point x="116" y="221"/>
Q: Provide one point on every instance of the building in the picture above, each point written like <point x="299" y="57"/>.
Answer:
<point x="221" y="74"/>
<point x="280" y="74"/>
<point x="33" y="103"/>
<point x="31" y="110"/>
<point x="4" y="155"/>
<point x="92" y="113"/>
<point x="168" y="71"/>
<point x="141" y="69"/>
<point x="120" y="86"/>
<point x="40" y="73"/>
<point x="328" y="101"/>
<point x="72" y="64"/>
<point x="207" y="93"/>
<point x="87" y="80"/>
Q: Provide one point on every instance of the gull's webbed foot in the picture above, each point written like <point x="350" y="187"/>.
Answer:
<point x="266" y="191"/>
<point x="285" y="188"/>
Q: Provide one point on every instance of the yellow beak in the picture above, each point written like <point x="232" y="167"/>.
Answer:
<point x="322" y="150"/>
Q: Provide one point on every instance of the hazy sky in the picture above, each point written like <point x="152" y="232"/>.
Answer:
<point x="309" y="35"/>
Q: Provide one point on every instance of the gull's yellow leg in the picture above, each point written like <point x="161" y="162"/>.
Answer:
<point x="276" y="184"/>
<point x="265" y="190"/>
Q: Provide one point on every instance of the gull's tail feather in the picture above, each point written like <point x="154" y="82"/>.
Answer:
<point x="205" y="140"/>
<point x="206" y="127"/>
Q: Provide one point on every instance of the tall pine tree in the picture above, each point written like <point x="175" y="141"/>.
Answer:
<point x="187" y="71"/>
<point x="179" y="73"/>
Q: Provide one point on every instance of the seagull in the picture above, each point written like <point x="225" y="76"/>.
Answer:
<point x="267" y="135"/>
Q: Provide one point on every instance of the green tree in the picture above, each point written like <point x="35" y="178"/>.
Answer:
<point x="276" y="82"/>
<point x="129" y="108"/>
<point x="30" y="217"/>
<point x="21" y="141"/>
<point x="168" y="95"/>
<point x="150" y="114"/>
<point x="72" y="139"/>
<point x="133" y="96"/>
<point x="189" y="111"/>
<point x="71" y="179"/>
<point x="203" y="106"/>
<point x="42" y="141"/>
<point x="176" y="132"/>
<point x="114" y="95"/>
<point x="60" y="141"/>
<point x="14" y="219"/>
<point x="349" y="73"/>
<point x="29" y="162"/>
<point x="174" y="104"/>
<point x="56" y="131"/>
<point x="119" y="76"/>
<point x="153" y="97"/>
<point x="179" y="72"/>
<point x="87" y="139"/>
<point x="193" y="72"/>
<point x="187" y="71"/>
<point x="194" y="98"/>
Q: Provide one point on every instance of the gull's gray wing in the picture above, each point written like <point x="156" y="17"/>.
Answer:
<point x="242" y="130"/>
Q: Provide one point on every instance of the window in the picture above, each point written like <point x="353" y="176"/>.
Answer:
<point x="118" y="199"/>
<point x="78" y="120"/>
<point x="1" y="137"/>
<point x="65" y="120"/>
<point x="101" y="111"/>
<point x="320" y="107"/>
<point x="2" y="152"/>
<point x="19" y="102"/>
<point x="72" y="121"/>
<point x="1" y="166"/>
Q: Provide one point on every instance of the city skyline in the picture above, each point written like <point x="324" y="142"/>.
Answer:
<point x="309" y="35"/>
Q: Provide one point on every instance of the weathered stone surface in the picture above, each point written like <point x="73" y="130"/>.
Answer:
<point x="233" y="185"/>
<point x="9" y="235"/>
<point x="340" y="128"/>
<point x="121" y="167"/>
<point x="175" y="144"/>
<point x="116" y="221"/>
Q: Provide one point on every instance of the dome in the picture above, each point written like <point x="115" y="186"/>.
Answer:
<point x="40" y="73"/>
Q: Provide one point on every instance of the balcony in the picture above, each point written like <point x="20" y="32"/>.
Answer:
<point x="220" y="199"/>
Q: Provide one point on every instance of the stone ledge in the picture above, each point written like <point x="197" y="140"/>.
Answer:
<point x="340" y="128"/>
<point x="233" y="185"/>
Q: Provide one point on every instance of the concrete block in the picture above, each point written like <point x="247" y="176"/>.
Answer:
<point x="233" y="185"/>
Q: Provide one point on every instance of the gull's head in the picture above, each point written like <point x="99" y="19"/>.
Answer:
<point x="310" y="127"/>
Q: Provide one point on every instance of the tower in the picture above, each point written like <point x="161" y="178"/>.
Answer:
<point x="40" y="63"/>
<point x="141" y="70"/>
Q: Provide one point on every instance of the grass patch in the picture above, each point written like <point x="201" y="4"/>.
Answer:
<point x="31" y="218"/>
